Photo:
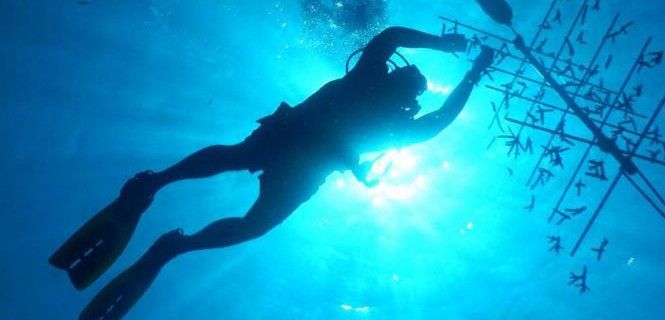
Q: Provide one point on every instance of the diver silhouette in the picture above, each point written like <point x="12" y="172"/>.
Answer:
<point x="369" y="109"/>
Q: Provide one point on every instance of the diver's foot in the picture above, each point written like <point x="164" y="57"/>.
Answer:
<point x="484" y="59"/>
<point x="167" y="247"/>
<point x="138" y="192"/>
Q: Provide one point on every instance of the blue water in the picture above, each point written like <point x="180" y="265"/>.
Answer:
<point x="92" y="92"/>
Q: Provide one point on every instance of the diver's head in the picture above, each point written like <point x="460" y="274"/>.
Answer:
<point x="405" y="85"/>
<point x="407" y="81"/>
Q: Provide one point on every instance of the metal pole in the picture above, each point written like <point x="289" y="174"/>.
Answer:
<point x="605" y="143"/>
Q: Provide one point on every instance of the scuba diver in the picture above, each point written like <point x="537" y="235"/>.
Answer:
<point x="369" y="109"/>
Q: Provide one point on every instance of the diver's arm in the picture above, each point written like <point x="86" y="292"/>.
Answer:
<point x="382" y="46"/>
<point x="429" y="125"/>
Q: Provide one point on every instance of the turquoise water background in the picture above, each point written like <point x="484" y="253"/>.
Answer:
<point x="92" y="92"/>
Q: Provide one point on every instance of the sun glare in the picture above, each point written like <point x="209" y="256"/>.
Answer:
<point x="397" y="177"/>
<point x="439" y="89"/>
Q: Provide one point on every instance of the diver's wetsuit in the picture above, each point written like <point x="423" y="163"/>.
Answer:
<point x="298" y="147"/>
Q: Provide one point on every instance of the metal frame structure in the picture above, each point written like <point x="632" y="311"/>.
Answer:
<point x="610" y="110"/>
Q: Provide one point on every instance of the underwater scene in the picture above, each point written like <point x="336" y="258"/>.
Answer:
<point x="332" y="159"/>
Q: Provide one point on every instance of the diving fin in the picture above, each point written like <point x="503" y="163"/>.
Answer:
<point x="94" y="247"/>
<point x="116" y="298"/>
<point x="91" y="250"/>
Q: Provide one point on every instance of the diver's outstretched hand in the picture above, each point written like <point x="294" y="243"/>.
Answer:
<point x="484" y="60"/>
<point x="361" y="172"/>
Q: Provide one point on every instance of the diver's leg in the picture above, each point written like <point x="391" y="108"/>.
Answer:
<point x="206" y="162"/>
<point x="279" y="197"/>
<point x="88" y="253"/>
<point x="139" y="191"/>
